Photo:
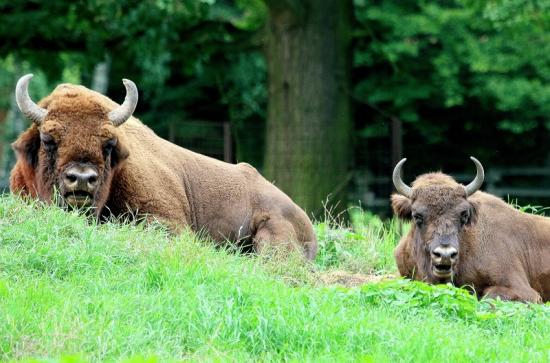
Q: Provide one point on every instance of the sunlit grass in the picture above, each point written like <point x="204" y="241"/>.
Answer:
<point x="71" y="288"/>
<point x="365" y="244"/>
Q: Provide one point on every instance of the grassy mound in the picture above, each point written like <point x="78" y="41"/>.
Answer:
<point x="74" y="291"/>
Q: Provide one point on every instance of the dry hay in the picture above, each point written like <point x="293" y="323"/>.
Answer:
<point x="349" y="279"/>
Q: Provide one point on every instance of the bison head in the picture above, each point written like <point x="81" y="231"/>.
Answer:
<point x="73" y="146"/>
<point x="441" y="213"/>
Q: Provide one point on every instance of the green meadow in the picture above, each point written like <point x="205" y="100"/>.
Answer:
<point x="75" y="291"/>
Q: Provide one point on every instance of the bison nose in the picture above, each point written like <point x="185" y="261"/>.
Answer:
<point x="80" y="178"/>
<point x="445" y="254"/>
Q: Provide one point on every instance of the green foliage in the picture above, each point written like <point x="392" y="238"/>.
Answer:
<point x="126" y="29"/>
<point x="243" y="14"/>
<point x="531" y="209"/>
<point x="456" y="72"/>
<point x="448" y="54"/>
<point x="509" y="13"/>
<point x="74" y="291"/>
<point x="245" y="96"/>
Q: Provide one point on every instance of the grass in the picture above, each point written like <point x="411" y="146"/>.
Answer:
<point x="367" y="247"/>
<point x="73" y="291"/>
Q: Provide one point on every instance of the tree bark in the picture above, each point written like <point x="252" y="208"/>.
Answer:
<point x="309" y="118"/>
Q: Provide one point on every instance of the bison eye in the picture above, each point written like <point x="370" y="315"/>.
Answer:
<point x="48" y="141"/>
<point x="418" y="219"/>
<point x="108" y="146"/>
<point x="464" y="217"/>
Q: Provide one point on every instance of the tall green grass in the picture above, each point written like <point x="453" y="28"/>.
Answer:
<point x="363" y="245"/>
<point x="72" y="290"/>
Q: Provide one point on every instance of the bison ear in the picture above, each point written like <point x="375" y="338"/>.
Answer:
<point x="27" y="145"/>
<point x="401" y="206"/>
<point x="119" y="154"/>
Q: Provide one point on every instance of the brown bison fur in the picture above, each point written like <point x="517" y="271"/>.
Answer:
<point x="502" y="252"/>
<point x="144" y="174"/>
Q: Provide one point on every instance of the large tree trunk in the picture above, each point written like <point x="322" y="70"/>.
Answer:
<point x="309" y="122"/>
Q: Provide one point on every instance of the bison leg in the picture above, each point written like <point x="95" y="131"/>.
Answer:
<point x="279" y="234"/>
<point x="525" y="294"/>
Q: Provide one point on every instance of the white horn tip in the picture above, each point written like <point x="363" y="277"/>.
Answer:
<point x="25" y="78"/>
<point x="122" y="113"/>
<point x="401" y="162"/>
<point x="128" y="82"/>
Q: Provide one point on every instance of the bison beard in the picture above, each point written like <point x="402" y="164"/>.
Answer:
<point x="483" y="242"/>
<point x="95" y="154"/>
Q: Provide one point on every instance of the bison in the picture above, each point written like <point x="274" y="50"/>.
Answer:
<point x="93" y="153"/>
<point x="470" y="238"/>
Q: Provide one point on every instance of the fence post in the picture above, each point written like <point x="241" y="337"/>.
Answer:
<point x="172" y="132"/>
<point x="396" y="153"/>
<point x="396" y="140"/>
<point x="227" y="143"/>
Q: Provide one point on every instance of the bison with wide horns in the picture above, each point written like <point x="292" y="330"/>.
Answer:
<point x="471" y="238"/>
<point x="96" y="155"/>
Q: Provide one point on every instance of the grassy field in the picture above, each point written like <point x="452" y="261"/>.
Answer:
<point x="73" y="291"/>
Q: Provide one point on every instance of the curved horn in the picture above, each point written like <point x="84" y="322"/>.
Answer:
<point x="400" y="186"/>
<point x="30" y="109"/>
<point x="476" y="183"/>
<point x="122" y="113"/>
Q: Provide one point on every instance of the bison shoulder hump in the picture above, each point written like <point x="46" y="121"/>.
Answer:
<point x="247" y="167"/>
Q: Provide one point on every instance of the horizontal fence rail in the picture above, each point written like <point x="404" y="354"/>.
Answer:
<point x="508" y="183"/>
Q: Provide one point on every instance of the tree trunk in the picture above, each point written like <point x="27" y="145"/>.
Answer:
<point x="100" y="78"/>
<point x="309" y="121"/>
<point x="14" y="125"/>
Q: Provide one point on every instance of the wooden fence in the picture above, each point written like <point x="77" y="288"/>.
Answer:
<point x="529" y="185"/>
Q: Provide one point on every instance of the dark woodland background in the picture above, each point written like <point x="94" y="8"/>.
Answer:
<point x="323" y="97"/>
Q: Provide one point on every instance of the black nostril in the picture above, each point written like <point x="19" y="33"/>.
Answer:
<point x="436" y="254"/>
<point x="81" y="179"/>
<point x="454" y="254"/>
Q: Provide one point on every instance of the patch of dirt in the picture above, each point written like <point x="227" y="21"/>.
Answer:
<point x="349" y="279"/>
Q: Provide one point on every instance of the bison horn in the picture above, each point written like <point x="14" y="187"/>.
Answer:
<point x="400" y="186"/>
<point x="121" y="114"/>
<point x="30" y="109"/>
<point x="478" y="181"/>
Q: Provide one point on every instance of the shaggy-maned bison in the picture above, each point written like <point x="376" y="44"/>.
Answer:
<point x="97" y="155"/>
<point x="467" y="237"/>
